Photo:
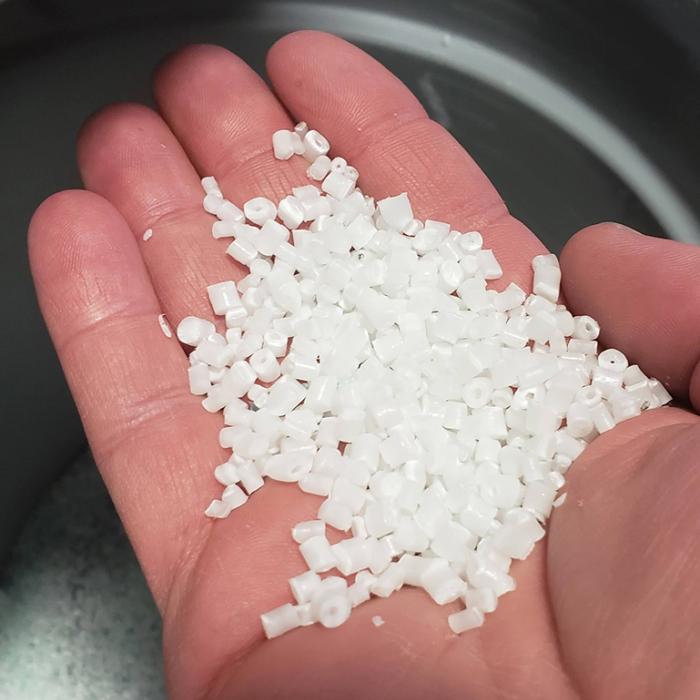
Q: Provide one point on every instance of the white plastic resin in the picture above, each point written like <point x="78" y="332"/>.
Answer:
<point x="367" y="359"/>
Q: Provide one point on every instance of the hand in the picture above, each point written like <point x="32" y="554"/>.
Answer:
<point x="605" y="607"/>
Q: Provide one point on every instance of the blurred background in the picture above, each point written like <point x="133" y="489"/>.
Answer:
<point x="579" y="112"/>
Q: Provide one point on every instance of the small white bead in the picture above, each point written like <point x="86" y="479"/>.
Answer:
<point x="301" y="129"/>
<point x="279" y="621"/>
<point x="352" y="555"/>
<point x="283" y="144"/>
<point x="224" y="229"/>
<point x="315" y="145"/>
<point x="336" y="514"/>
<point x="242" y="250"/>
<point x="388" y="581"/>
<point x="265" y="365"/>
<point x="199" y="379"/>
<point x="482" y="598"/>
<point x="579" y="421"/>
<point x="548" y="260"/>
<point x="259" y="210"/>
<point x="226" y="474"/>
<point x="290" y="212"/>
<point x="489" y="266"/>
<point x="304" y="586"/>
<point x="223" y="297"/>
<point x="250" y="477"/>
<point x="359" y="592"/>
<point x="441" y="583"/>
<point x="586" y="328"/>
<point x="234" y="496"/>
<point x="210" y="185"/>
<point x="192" y="330"/>
<point x="396" y="211"/>
<point x="659" y="392"/>
<point x="317" y="554"/>
<point x="633" y="375"/>
<point x="547" y="279"/>
<point x="271" y="236"/>
<point x="602" y="418"/>
<point x="613" y="360"/>
<point x="318" y="484"/>
<point x="319" y="168"/>
<point x="477" y="392"/>
<point x="624" y="407"/>
<point x="307" y="529"/>
<point x="213" y="203"/>
<point x="288" y="466"/>
<point x="334" y="610"/>
<point x="285" y="395"/>
<point x="229" y="213"/>
<point x="239" y="378"/>
<point x="337" y="185"/>
<point x="218" y="509"/>
<point x="471" y="241"/>
<point x="465" y="620"/>
<point x="588" y="396"/>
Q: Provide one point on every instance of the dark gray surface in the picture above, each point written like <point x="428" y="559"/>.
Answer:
<point x="76" y="619"/>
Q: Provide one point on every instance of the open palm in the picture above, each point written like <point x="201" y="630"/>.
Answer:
<point x="605" y="606"/>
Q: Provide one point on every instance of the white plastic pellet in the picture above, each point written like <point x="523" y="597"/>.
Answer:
<point x="586" y="328"/>
<point x="290" y="212"/>
<point x="434" y="418"/>
<point x="317" y="554"/>
<point x="148" y="233"/>
<point x="192" y="330"/>
<point x="264" y="363"/>
<point x="280" y="620"/>
<point x="283" y="144"/>
<point x="258" y="210"/>
<point x="234" y="496"/>
<point x="242" y="251"/>
<point x="249" y="476"/>
<point x="223" y="297"/>
<point x="315" y="145"/>
<point x="396" y="211"/>
<point x="319" y="168"/>
<point x="213" y="201"/>
<point x="218" y="509"/>
<point x="546" y="281"/>
<point x="304" y="586"/>
<point x="465" y="620"/>
<point x="307" y="529"/>
<point x="211" y="186"/>
<point x="337" y="185"/>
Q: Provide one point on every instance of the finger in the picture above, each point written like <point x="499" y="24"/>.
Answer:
<point x="149" y="436"/>
<point x="644" y="292"/>
<point x="224" y="115"/>
<point x="374" y="121"/>
<point x="127" y="154"/>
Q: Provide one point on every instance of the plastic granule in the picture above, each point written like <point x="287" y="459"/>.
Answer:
<point x="165" y="326"/>
<point x="367" y="360"/>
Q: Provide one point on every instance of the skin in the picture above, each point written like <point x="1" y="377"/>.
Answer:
<point x="605" y="606"/>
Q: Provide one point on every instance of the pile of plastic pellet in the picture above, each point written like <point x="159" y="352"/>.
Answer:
<point x="367" y="360"/>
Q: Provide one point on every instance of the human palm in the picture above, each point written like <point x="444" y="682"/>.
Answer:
<point x="605" y="606"/>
